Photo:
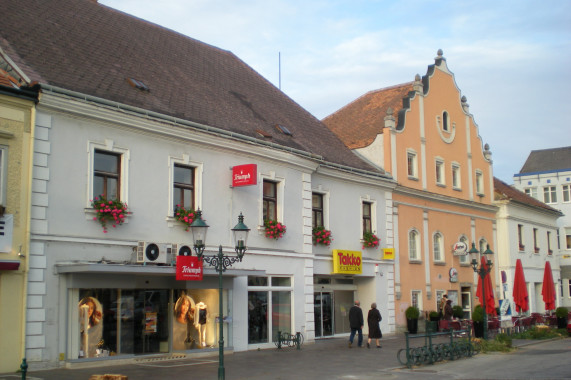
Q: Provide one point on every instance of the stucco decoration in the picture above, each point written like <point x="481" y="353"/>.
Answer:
<point x="447" y="137"/>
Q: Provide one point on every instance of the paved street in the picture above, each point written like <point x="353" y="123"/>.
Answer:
<point x="332" y="359"/>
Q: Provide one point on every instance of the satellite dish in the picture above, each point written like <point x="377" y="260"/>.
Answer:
<point x="185" y="251"/>
<point x="152" y="252"/>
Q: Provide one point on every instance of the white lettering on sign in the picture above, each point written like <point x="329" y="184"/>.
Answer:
<point x="186" y="269"/>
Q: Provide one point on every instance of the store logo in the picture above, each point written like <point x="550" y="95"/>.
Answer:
<point x="188" y="268"/>
<point x="244" y="175"/>
<point x="349" y="262"/>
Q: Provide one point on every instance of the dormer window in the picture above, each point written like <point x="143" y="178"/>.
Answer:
<point x="138" y="84"/>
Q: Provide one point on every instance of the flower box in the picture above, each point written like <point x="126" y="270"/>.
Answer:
<point x="184" y="216"/>
<point x="109" y="211"/>
<point x="274" y="229"/>
<point x="370" y="240"/>
<point x="321" y="236"/>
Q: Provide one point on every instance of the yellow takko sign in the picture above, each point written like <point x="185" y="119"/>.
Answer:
<point x="347" y="262"/>
<point x="388" y="254"/>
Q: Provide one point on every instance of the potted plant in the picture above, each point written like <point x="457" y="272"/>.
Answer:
<point x="109" y="211"/>
<point x="434" y="318"/>
<point x="457" y="312"/>
<point x="274" y="229"/>
<point x="370" y="240"/>
<point x="321" y="236"/>
<point x="185" y="216"/>
<point x="478" y="319"/>
<point x="561" y="314"/>
<point x="412" y="313"/>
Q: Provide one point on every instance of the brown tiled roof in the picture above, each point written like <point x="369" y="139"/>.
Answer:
<point x="547" y="160"/>
<point x="503" y="191"/>
<point x="358" y="123"/>
<point x="86" y="47"/>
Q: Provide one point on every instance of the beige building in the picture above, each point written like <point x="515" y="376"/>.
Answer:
<point x="16" y="136"/>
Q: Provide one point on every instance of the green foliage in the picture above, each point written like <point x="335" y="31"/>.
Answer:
<point x="433" y="314"/>
<point x="540" y="333"/>
<point x="504" y="338"/>
<point x="412" y="312"/>
<point x="561" y="312"/>
<point x="370" y="240"/>
<point x="457" y="311"/>
<point x="495" y="345"/>
<point x="109" y="211"/>
<point x="478" y="314"/>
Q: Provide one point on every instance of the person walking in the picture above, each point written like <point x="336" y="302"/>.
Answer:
<point x="373" y="320"/>
<point x="356" y="323"/>
<point x="442" y="305"/>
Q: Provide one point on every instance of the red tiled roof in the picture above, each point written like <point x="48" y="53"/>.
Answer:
<point x="503" y="191"/>
<point x="86" y="47"/>
<point x="358" y="123"/>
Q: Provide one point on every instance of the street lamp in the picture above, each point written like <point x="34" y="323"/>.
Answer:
<point x="220" y="262"/>
<point x="482" y="271"/>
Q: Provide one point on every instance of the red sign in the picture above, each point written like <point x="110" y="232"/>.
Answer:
<point x="188" y="268"/>
<point x="244" y="175"/>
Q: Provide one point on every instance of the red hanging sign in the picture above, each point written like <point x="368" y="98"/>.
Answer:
<point x="188" y="268"/>
<point x="244" y="175"/>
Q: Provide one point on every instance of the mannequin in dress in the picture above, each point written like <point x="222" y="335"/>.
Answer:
<point x="200" y="316"/>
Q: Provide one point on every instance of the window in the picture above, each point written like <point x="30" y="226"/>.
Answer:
<point x="445" y="122"/>
<point x="566" y="193"/>
<point x="270" y="200"/>
<point x="531" y="191"/>
<point x="367" y="217"/>
<point x="483" y="245"/>
<point x="439" y="172"/>
<point x="437" y="241"/>
<point x="439" y="294"/>
<point x="317" y="209"/>
<point x="3" y="171"/>
<point x="535" y="247"/>
<point x="550" y="194"/>
<point x="520" y="237"/>
<point x="568" y="239"/>
<point x="549" y="250"/>
<point x="106" y="174"/>
<point x="416" y="299"/>
<point x="569" y="287"/>
<point x="411" y="164"/>
<point x="456" y="176"/>
<point x="479" y="183"/>
<point x="464" y="258"/>
<point x="413" y="245"/>
<point x="183" y="186"/>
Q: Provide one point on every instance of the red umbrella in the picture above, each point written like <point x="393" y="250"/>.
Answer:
<point x="490" y="304"/>
<point x="548" y="291"/>
<point x="521" y="298"/>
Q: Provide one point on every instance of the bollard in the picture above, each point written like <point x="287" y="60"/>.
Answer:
<point x="24" y="368"/>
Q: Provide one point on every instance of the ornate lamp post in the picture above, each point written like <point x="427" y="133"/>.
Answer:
<point x="482" y="271"/>
<point x="220" y="262"/>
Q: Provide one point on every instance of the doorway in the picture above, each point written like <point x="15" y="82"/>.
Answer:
<point x="322" y="307"/>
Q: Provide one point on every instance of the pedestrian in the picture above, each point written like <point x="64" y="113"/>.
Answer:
<point x="448" y="312"/>
<point x="373" y="320"/>
<point x="442" y="305"/>
<point x="356" y="323"/>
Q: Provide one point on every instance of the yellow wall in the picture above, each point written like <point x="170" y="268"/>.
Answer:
<point x="16" y="116"/>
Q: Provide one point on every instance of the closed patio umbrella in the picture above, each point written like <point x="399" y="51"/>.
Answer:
<point x="548" y="290"/>
<point x="520" y="296"/>
<point x="489" y="301"/>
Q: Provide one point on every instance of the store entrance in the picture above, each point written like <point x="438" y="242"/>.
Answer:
<point x="322" y="306"/>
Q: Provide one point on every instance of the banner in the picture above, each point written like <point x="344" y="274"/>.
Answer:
<point x="188" y="268"/>
<point x="347" y="262"/>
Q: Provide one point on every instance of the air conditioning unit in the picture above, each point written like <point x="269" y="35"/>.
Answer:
<point x="153" y="253"/>
<point x="183" y="249"/>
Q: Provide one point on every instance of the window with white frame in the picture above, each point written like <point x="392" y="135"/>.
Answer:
<point x="479" y="182"/>
<point x="566" y="193"/>
<point x="520" y="237"/>
<point x="464" y="258"/>
<point x="439" y="294"/>
<point x="531" y="191"/>
<point x="439" y="172"/>
<point x="317" y="209"/>
<point x="367" y="217"/>
<point x="550" y="194"/>
<point x="549" y="250"/>
<point x="535" y="242"/>
<point x="411" y="161"/>
<point x="108" y="171"/>
<point x="183" y="187"/>
<point x="270" y="200"/>
<point x="568" y="238"/>
<point x="413" y="245"/>
<point x="416" y="299"/>
<point x="456" y="180"/>
<point x="438" y="247"/>
<point x="3" y="171"/>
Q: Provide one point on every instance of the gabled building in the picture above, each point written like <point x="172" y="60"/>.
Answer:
<point x="16" y="147"/>
<point x="546" y="176"/>
<point x="527" y="230"/>
<point x="155" y="121"/>
<point x="423" y="134"/>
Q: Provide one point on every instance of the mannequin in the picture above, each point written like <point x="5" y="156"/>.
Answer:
<point x="200" y="316"/>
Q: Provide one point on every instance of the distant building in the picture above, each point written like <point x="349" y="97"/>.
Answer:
<point x="546" y="175"/>
<point x="424" y="135"/>
<point x="527" y="230"/>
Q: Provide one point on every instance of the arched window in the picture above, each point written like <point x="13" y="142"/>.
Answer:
<point x="437" y="247"/>
<point x="445" y="122"/>
<point x="464" y="258"/>
<point x="413" y="245"/>
<point x="482" y="245"/>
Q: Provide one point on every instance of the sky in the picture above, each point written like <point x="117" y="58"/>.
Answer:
<point x="509" y="58"/>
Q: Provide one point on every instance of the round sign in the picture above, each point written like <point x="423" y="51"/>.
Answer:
<point x="460" y="248"/>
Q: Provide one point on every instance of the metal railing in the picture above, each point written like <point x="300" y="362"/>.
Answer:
<point x="438" y="346"/>
<point x="285" y="339"/>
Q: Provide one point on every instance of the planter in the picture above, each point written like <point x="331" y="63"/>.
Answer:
<point x="478" y="329"/>
<point x="561" y="323"/>
<point x="436" y="321"/>
<point x="412" y="326"/>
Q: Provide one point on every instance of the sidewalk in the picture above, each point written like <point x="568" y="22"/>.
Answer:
<point x="324" y="359"/>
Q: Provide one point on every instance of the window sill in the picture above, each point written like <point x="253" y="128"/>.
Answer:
<point x="481" y="195"/>
<point x="412" y="261"/>
<point x="440" y="184"/>
<point x="465" y="264"/>
<point x="413" y="178"/>
<point x="440" y="263"/>
<point x="456" y="188"/>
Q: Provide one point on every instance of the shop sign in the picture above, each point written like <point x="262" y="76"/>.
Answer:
<point x="347" y="262"/>
<point x="188" y="268"/>
<point x="388" y="253"/>
<point x="460" y="249"/>
<point x="453" y="273"/>
<point x="244" y="175"/>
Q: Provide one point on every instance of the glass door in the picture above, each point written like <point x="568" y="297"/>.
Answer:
<point x="322" y="306"/>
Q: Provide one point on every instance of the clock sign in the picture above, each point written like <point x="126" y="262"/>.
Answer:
<point x="453" y="273"/>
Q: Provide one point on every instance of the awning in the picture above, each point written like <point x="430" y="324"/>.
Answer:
<point x="9" y="264"/>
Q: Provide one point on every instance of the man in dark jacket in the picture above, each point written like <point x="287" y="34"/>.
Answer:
<point x="356" y="323"/>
